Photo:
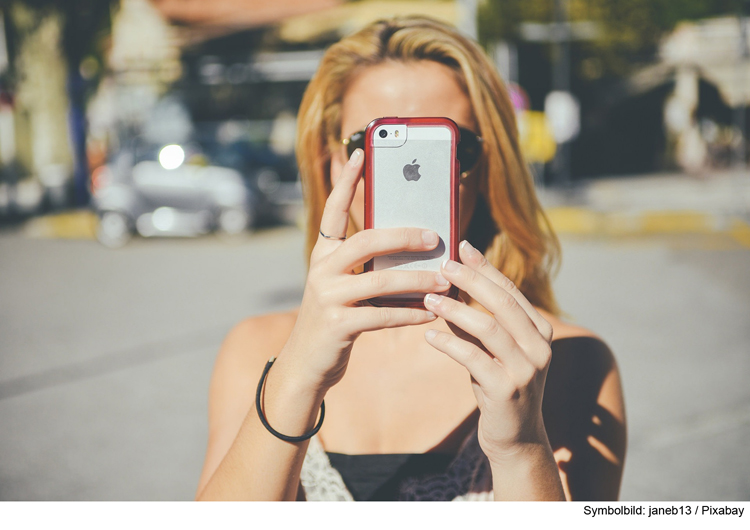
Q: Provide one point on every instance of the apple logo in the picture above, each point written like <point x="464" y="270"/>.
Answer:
<point x="411" y="171"/>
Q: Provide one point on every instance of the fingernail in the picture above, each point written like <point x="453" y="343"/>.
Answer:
<point x="429" y="237"/>
<point x="430" y="314"/>
<point x="355" y="156"/>
<point x="441" y="281"/>
<point x="450" y="265"/>
<point x="432" y="299"/>
<point x="430" y="334"/>
<point x="466" y="247"/>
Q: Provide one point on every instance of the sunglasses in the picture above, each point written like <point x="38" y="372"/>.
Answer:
<point x="468" y="151"/>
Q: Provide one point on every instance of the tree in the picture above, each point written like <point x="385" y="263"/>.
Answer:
<point x="630" y="29"/>
<point x="82" y="27"/>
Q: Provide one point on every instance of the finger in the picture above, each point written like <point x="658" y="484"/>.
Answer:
<point x="458" y="332"/>
<point x="474" y="259"/>
<point x="480" y="364"/>
<point x="505" y="308"/>
<point x="484" y="327"/>
<point x="335" y="219"/>
<point x="366" y="244"/>
<point x="387" y="282"/>
<point x="374" y="318"/>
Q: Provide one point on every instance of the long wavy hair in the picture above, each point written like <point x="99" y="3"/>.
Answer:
<point x="508" y="224"/>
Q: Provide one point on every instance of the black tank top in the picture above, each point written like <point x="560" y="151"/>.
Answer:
<point x="377" y="477"/>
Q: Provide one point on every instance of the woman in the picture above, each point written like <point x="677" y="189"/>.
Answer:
<point x="504" y="412"/>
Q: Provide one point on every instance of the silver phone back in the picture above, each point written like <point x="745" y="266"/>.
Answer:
<point x="401" y="199"/>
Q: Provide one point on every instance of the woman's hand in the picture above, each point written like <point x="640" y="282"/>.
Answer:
<point x="507" y="353"/>
<point x="332" y="314"/>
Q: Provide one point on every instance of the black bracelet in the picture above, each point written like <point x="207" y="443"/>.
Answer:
<point x="264" y="421"/>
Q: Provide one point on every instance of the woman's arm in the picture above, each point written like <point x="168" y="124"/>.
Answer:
<point x="551" y="426"/>
<point x="504" y="343"/>
<point x="584" y="417"/>
<point x="243" y="460"/>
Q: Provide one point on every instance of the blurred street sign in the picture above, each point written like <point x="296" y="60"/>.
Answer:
<point x="560" y="31"/>
<point x="287" y="66"/>
<point x="563" y="114"/>
<point x="262" y="67"/>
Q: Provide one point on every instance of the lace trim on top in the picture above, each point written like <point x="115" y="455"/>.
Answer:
<point x="467" y="478"/>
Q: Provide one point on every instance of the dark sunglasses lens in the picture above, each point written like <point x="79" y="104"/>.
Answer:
<point x="356" y="141"/>
<point x="468" y="151"/>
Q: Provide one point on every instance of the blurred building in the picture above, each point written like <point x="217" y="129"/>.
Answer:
<point x="709" y="63"/>
<point x="683" y="111"/>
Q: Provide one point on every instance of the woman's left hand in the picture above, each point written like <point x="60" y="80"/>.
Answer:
<point x="507" y="353"/>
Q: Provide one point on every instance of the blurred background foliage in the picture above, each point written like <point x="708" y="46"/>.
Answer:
<point x="630" y="29"/>
<point x="85" y="27"/>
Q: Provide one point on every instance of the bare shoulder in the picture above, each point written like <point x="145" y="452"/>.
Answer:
<point x="565" y="330"/>
<point x="255" y="336"/>
<point x="579" y="352"/>
<point x="572" y="343"/>
<point x="244" y="351"/>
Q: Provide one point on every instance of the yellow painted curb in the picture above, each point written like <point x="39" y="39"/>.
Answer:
<point x="70" y="225"/>
<point x="740" y="231"/>
<point x="677" y="222"/>
<point x="580" y="221"/>
<point x="567" y="220"/>
<point x="621" y="224"/>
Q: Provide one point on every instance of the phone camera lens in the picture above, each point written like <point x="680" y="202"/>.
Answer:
<point x="383" y="133"/>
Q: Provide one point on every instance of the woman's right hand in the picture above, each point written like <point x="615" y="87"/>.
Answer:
<point x="332" y="314"/>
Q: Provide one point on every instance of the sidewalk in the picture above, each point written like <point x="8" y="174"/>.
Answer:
<point x="653" y="204"/>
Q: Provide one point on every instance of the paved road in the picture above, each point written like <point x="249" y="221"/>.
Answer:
<point x="105" y="356"/>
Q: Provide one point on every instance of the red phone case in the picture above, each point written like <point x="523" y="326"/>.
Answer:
<point x="455" y="172"/>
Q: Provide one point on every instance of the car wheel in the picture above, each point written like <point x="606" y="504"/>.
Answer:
<point x="233" y="221"/>
<point x="113" y="230"/>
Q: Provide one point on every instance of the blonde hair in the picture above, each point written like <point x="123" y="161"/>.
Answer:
<point x="508" y="224"/>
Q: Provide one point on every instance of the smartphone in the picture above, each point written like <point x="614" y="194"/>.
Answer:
<point x="411" y="180"/>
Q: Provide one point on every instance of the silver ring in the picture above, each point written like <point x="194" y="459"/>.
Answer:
<point x="331" y="237"/>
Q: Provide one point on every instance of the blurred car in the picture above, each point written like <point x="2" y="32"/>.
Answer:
<point x="155" y="191"/>
<point x="272" y="178"/>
